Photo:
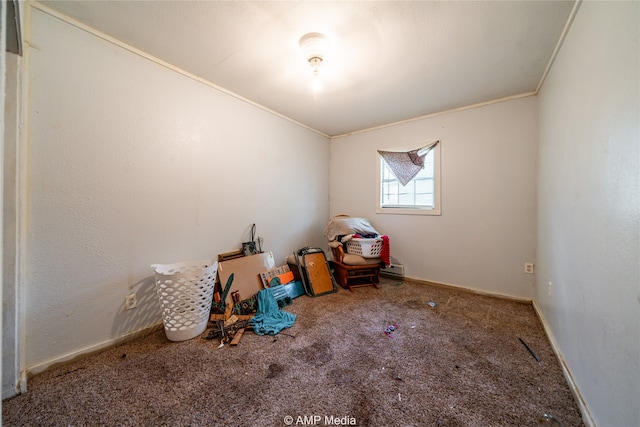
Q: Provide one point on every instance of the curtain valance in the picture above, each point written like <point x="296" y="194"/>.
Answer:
<point x="405" y="165"/>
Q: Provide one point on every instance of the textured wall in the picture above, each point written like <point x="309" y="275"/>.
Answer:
<point x="487" y="228"/>
<point x="589" y="208"/>
<point x="10" y="294"/>
<point x="3" y="42"/>
<point x="132" y="163"/>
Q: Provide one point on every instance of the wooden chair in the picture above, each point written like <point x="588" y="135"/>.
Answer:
<point x="354" y="276"/>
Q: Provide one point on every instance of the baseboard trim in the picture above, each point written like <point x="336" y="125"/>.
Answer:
<point x="87" y="351"/>
<point x="582" y="405"/>
<point x="471" y="290"/>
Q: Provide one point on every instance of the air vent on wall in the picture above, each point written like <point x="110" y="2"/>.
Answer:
<point x="393" y="270"/>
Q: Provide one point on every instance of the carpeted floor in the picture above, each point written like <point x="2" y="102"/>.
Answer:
<point x="458" y="363"/>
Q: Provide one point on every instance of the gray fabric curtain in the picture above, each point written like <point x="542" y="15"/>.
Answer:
<point x="405" y="165"/>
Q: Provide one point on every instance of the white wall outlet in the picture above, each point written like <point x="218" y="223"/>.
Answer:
<point x="130" y="301"/>
<point x="528" y="267"/>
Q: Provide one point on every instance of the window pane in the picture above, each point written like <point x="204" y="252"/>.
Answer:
<point x="406" y="199"/>
<point x="424" y="200"/>
<point x="424" y="186"/>
<point x="420" y="196"/>
<point x="417" y="193"/>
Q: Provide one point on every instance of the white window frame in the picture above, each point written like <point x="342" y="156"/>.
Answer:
<point x="409" y="210"/>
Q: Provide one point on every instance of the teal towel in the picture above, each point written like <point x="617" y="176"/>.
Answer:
<point x="269" y="319"/>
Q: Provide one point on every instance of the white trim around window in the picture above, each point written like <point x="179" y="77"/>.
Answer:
<point x="432" y="207"/>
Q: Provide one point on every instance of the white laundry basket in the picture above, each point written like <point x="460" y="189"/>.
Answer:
<point x="185" y="290"/>
<point x="366" y="248"/>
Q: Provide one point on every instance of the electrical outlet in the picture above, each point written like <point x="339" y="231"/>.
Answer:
<point x="549" y="289"/>
<point x="528" y="267"/>
<point x="130" y="301"/>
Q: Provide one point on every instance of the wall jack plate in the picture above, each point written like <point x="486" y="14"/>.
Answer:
<point x="528" y="267"/>
<point x="130" y="301"/>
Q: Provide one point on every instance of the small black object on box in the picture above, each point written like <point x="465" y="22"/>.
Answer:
<point x="251" y="248"/>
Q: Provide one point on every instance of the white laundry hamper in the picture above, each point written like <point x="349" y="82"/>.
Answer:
<point x="185" y="290"/>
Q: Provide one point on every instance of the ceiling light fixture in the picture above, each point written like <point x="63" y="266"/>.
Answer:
<point x="314" y="46"/>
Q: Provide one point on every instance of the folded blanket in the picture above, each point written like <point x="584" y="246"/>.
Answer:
<point x="269" y="319"/>
<point x="385" y="252"/>
<point x="341" y="226"/>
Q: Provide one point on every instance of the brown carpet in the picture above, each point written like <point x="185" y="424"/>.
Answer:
<point x="460" y="363"/>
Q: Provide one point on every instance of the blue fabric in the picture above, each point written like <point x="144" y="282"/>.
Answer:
<point x="269" y="319"/>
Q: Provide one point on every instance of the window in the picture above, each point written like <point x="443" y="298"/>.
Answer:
<point x="420" y="196"/>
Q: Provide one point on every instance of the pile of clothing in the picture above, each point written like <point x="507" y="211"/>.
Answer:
<point x="343" y="228"/>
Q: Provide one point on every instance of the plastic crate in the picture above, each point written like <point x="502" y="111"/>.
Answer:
<point x="366" y="248"/>
<point x="185" y="290"/>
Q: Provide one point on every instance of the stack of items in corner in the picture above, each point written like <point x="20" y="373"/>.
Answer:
<point x="343" y="229"/>
<point x="268" y="289"/>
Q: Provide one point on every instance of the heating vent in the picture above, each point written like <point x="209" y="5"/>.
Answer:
<point x="393" y="270"/>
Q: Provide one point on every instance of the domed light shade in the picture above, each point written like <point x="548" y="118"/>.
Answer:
<point x="314" y="46"/>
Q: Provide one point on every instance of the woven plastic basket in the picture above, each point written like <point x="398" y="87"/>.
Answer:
<point x="366" y="248"/>
<point x="185" y="290"/>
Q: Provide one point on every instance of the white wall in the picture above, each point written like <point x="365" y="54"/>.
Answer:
<point x="10" y="335"/>
<point x="3" y="41"/>
<point x="487" y="228"/>
<point x="132" y="163"/>
<point x="589" y="208"/>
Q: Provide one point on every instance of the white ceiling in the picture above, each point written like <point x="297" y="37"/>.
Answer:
<point x="388" y="61"/>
